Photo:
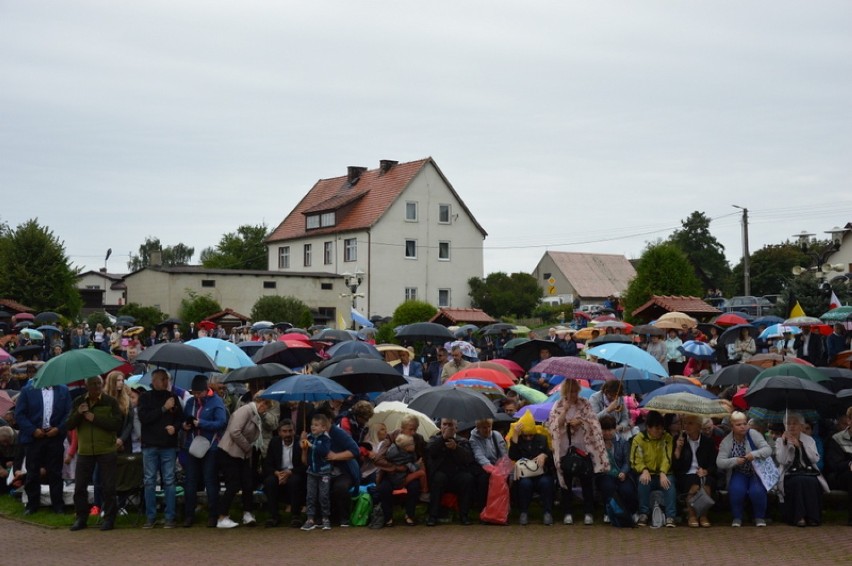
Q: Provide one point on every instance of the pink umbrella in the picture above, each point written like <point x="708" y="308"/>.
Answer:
<point x="573" y="368"/>
<point x="6" y="402"/>
<point x="513" y="367"/>
<point x="5" y="357"/>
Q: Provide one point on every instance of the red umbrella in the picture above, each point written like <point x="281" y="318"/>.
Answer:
<point x="295" y="336"/>
<point x="207" y="325"/>
<point x="604" y="318"/>
<point x="23" y="316"/>
<point x="492" y="375"/>
<point x="739" y="400"/>
<point x="125" y="367"/>
<point x="729" y="319"/>
<point x="513" y="367"/>
<point x="491" y="365"/>
<point x="581" y="314"/>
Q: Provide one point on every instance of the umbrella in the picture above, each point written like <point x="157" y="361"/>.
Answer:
<point x="528" y="352"/>
<point x="687" y="404"/>
<point x="676" y="320"/>
<point x="697" y="350"/>
<point x="636" y="380"/>
<point x="497" y="367"/>
<point x="782" y="392"/>
<point x="453" y="403"/>
<point x="47" y="329"/>
<point x="843" y="359"/>
<point x="305" y="387"/>
<point x="171" y="321"/>
<point x="27" y="351"/>
<point x="291" y="353"/>
<point x="513" y="367"/>
<point x="683" y="379"/>
<point x="609" y="339"/>
<point x="777" y="330"/>
<point x="465" y="328"/>
<point x="296" y="334"/>
<point x="405" y="392"/>
<point x="24" y="316"/>
<point x="573" y="368"/>
<point x="769" y="360"/>
<point x="530" y="394"/>
<point x="125" y="320"/>
<point x="391" y="352"/>
<point x="841" y="378"/>
<point x="737" y="374"/>
<point x="767" y="320"/>
<point x="207" y="325"/>
<point x="6" y="402"/>
<point x="223" y="353"/>
<point x="47" y="317"/>
<point x="125" y="367"/>
<point x="844" y="399"/>
<point x="604" y="318"/>
<point x="796" y="370"/>
<point x="497" y="328"/>
<point x="540" y="411"/>
<point x="259" y="372"/>
<point x="354" y="347"/>
<point x="5" y="356"/>
<point x="262" y="325"/>
<point x="364" y="375"/>
<point x="729" y="319"/>
<point x="514" y="343"/>
<point x="803" y="321"/>
<point x="133" y="330"/>
<point x="467" y="349"/>
<point x="391" y="413"/>
<point x="250" y="347"/>
<point x="181" y="378"/>
<point x="23" y="324"/>
<point x="74" y="365"/>
<point x="840" y="314"/>
<point x="32" y="334"/>
<point x="629" y="355"/>
<point x="677" y="388"/>
<point x="586" y="333"/>
<point x="730" y="335"/>
<point x="425" y="331"/>
<point x="770" y="416"/>
<point x="494" y="376"/>
<point x="487" y="388"/>
<point x="649" y="330"/>
<point x="332" y="335"/>
<point x="174" y="355"/>
<point x="5" y="314"/>
<point x="582" y="314"/>
<point x="618" y="324"/>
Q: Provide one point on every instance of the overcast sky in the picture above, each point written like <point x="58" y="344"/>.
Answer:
<point x="572" y="126"/>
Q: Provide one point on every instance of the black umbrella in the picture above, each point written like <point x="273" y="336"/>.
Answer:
<point x="730" y="335"/>
<point x="250" y="347"/>
<point x="453" y="403"/>
<point x="649" y="330"/>
<point x="844" y="399"/>
<point x="46" y="328"/>
<point x="425" y="331"/>
<point x="332" y="335"/>
<point x="125" y="320"/>
<point x="354" y="347"/>
<point x="525" y="354"/>
<point x="46" y="317"/>
<point x="262" y="371"/>
<point x="23" y="324"/>
<point x="27" y="351"/>
<point x="363" y="375"/>
<point x="732" y="375"/>
<point x="404" y="393"/>
<point x="841" y="378"/>
<point x="609" y="339"/>
<point x="174" y="355"/>
<point x="181" y="378"/>
<point x="705" y="327"/>
<point x="283" y="326"/>
<point x="496" y="328"/>
<point x="782" y="392"/>
<point x="331" y="361"/>
<point x="171" y="321"/>
<point x="293" y="354"/>
<point x="5" y="314"/>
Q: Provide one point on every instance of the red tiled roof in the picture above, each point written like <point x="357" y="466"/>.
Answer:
<point x="15" y="306"/>
<point x="227" y="312"/>
<point x="456" y="316"/>
<point x="661" y="304"/>
<point x="365" y="201"/>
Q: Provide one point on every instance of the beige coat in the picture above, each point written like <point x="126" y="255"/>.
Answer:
<point x="242" y="432"/>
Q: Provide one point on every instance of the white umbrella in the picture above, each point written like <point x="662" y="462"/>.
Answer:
<point x="391" y="413"/>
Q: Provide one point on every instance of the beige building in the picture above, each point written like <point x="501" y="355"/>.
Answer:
<point x="101" y="291"/>
<point x="400" y="230"/>
<point x="236" y="289"/>
<point x="589" y="278"/>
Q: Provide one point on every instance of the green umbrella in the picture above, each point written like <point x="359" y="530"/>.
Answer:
<point x="514" y="342"/>
<point x="532" y="395"/>
<point x="807" y="373"/>
<point x="840" y="314"/>
<point x="75" y="365"/>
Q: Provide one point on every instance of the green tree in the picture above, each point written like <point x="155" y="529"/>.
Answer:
<point x="663" y="269"/>
<point x="812" y="294"/>
<point x="770" y="269"/>
<point x="195" y="307"/>
<point x="703" y="251"/>
<point x="35" y="271"/>
<point x="96" y="318"/>
<point x="410" y="312"/>
<point x="243" y="249"/>
<point x="148" y="317"/>
<point x="282" y="309"/>
<point x="502" y="295"/>
<point x="171" y="256"/>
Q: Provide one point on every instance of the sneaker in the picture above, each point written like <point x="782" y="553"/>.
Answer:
<point x="424" y="497"/>
<point x="226" y="523"/>
<point x="588" y="519"/>
<point x="737" y="523"/>
<point x="548" y="519"/>
<point x="326" y="525"/>
<point x="760" y="522"/>
<point x="248" y="519"/>
<point x="94" y="511"/>
<point x="170" y="524"/>
<point x="149" y="524"/>
<point x="524" y="519"/>
<point x="344" y="524"/>
<point x="568" y="519"/>
<point x="606" y="519"/>
<point x="642" y="520"/>
<point x="309" y="525"/>
<point x="670" y="524"/>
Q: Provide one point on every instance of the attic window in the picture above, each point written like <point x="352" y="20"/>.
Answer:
<point x="323" y="220"/>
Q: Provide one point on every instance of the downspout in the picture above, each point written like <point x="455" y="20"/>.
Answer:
<point x="369" y="270"/>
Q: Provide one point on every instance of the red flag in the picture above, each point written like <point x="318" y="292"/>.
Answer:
<point x="835" y="302"/>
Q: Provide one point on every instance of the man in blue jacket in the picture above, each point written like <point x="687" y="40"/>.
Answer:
<point x="41" y="416"/>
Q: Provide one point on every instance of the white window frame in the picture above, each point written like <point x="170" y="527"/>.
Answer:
<point x="284" y="257"/>
<point x="410" y="294"/>
<point x="449" y="298"/>
<point x="327" y="253"/>
<point x="416" y="215"/>
<point x="449" y="208"/>
<point x="414" y="246"/>
<point x="350" y="249"/>
<point x="440" y="247"/>
<point x="308" y="254"/>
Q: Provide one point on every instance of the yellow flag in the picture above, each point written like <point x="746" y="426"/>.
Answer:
<point x="797" y="310"/>
<point x="341" y="323"/>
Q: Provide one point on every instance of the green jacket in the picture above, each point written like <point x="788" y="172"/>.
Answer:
<point x="650" y="454"/>
<point x="97" y="437"/>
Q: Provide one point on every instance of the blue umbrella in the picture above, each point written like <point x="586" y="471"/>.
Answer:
<point x="629" y="355"/>
<point x="540" y="411"/>
<point x="638" y="381"/>
<point x="779" y="329"/>
<point x="677" y="388"/>
<point x="46" y="328"/>
<point x="305" y="387"/>
<point x="354" y="347"/>
<point x="697" y="350"/>
<point x="481" y="385"/>
<point x="223" y="353"/>
<point x="767" y="320"/>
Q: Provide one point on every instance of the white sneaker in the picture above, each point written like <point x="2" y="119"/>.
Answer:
<point x="226" y="523"/>
<point x="568" y="519"/>
<point x="588" y="519"/>
<point x="248" y="519"/>
<point x="606" y="519"/>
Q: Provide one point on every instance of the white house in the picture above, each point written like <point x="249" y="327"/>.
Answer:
<point x="101" y="291"/>
<point x="589" y="278"/>
<point x="400" y="230"/>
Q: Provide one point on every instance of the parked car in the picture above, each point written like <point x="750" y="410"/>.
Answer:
<point x="592" y="310"/>
<point x="755" y="306"/>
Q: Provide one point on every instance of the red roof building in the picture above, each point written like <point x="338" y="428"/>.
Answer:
<point x="659" y="305"/>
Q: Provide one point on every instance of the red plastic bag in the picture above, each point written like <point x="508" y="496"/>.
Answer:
<point x="496" y="510"/>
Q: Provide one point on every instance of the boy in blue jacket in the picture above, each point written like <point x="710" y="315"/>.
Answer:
<point x="315" y="449"/>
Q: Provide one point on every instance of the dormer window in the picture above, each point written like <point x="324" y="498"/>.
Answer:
<point x="323" y="220"/>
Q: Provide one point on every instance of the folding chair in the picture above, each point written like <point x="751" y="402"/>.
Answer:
<point x="130" y="487"/>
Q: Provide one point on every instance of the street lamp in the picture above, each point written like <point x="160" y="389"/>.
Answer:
<point x="352" y="282"/>
<point x="819" y="254"/>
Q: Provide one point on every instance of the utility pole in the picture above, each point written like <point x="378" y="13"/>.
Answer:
<point x="746" y="274"/>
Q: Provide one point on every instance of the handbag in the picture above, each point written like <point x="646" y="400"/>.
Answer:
<point x="701" y="502"/>
<point x="199" y="446"/>
<point x="525" y="468"/>
<point x="765" y="469"/>
<point x="576" y="462"/>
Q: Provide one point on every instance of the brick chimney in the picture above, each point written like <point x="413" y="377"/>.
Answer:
<point x="385" y="165"/>
<point x="353" y="173"/>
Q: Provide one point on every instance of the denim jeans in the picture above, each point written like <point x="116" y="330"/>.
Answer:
<point x="319" y="494"/>
<point x="669" y="494"/>
<point x="741" y="486"/>
<point x="543" y="484"/>
<point x="198" y="469"/>
<point x="162" y="461"/>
